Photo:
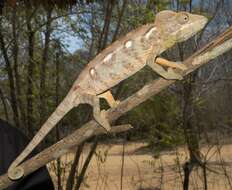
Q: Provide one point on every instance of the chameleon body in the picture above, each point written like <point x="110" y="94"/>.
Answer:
<point x="119" y="61"/>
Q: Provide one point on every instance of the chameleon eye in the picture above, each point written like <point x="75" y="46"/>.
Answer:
<point x="182" y="18"/>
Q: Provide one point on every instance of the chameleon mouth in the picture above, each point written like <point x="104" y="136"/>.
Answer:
<point x="202" y="22"/>
<point x="199" y="24"/>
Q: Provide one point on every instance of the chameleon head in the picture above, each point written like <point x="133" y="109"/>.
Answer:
<point x="179" y="26"/>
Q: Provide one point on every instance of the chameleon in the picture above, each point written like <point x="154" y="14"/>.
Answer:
<point x="118" y="61"/>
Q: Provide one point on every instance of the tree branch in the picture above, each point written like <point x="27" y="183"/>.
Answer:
<point x="213" y="49"/>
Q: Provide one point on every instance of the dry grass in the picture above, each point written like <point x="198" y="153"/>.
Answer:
<point x="142" y="171"/>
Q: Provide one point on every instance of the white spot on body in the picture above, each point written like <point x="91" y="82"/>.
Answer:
<point x="128" y="44"/>
<point x="108" y="57"/>
<point x="148" y="34"/>
<point x="92" y="71"/>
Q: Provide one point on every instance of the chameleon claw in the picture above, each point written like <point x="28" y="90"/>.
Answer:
<point x="16" y="173"/>
<point x="181" y="66"/>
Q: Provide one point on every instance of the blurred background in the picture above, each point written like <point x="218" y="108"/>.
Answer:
<point x="181" y="137"/>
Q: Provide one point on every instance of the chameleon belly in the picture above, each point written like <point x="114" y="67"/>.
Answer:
<point x="114" y="65"/>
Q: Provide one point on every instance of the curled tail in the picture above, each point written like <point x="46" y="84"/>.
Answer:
<point x="63" y="108"/>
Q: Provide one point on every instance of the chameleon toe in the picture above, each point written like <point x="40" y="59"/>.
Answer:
<point x="181" y="66"/>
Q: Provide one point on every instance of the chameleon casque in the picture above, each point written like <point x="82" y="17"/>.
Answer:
<point x="117" y="62"/>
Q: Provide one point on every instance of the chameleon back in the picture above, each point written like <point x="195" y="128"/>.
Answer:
<point x="119" y="61"/>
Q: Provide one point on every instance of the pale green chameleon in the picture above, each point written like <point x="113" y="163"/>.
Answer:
<point x="119" y="61"/>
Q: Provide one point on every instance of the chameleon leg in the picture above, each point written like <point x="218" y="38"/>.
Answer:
<point x="109" y="98"/>
<point x="98" y="114"/>
<point x="171" y="64"/>
<point x="169" y="74"/>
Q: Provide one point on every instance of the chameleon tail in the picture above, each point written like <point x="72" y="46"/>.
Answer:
<point x="63" y="108"/>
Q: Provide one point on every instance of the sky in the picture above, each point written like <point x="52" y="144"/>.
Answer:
<point x="74" y="43"/>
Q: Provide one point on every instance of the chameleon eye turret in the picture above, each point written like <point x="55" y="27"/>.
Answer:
<point x="182" y="18"/>
<point x="186" y="25"/>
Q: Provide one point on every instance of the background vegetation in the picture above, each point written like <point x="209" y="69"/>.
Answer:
<point x="37" y="69"/>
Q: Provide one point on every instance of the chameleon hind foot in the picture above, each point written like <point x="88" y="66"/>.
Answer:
<point x="180" y="65"/>
<point x="99" y="116"/>
<point x="109" y="98"/>
<point x="16" y="173"/>
<point x="102" y="120"/>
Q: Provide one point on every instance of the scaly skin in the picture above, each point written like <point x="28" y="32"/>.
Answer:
<point x="119" y="61"/>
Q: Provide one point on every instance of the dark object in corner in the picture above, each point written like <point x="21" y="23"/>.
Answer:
<point x="12" y="142"/>
<point x="1" y="5"/>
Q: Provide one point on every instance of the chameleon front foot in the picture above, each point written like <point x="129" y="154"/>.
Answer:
<point x="171" y="64"/>
<point x="16" y="173"/>
<point x="180" y="65"/>
<point x="109" y="98"/>
<point x="172" y="75"/>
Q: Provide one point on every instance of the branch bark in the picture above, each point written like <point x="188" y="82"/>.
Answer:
<point x="120" y="15"/>
<point x="30" y="73"/>
<point x="74" y="168"/>
<point x="213" y="49"/>
<point x="81" y="176"/>
<point x="15" y="54"/>
<point x="43" y="66"/>
<point x="4" y="105"/>
<point x="9" y="70"/>
<point x="105" y="30"/>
